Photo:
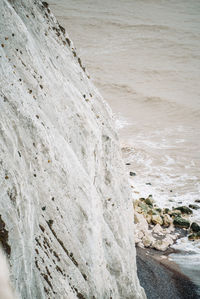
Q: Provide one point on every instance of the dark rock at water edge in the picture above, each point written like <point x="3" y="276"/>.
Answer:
<point x="181" y="222"/>
<point x="184" y="210"/>
<point x="132" y="173"/>
<point x="194" y="236"/>
<point x="194" y="207"/>
<point x="195" y="227"/>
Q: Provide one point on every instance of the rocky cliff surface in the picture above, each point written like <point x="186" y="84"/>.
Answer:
<point x="66" y="219"/>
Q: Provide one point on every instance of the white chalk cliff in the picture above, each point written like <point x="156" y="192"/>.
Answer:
<point x="66" y="218"/>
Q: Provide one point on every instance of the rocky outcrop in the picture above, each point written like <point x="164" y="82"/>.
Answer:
<point x="157" y="228"/>
<point x="66" y="214"/>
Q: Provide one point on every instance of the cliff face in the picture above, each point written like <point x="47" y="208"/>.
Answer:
<point x="66" y="218"/>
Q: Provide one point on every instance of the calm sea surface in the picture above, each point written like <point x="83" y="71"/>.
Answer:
<point x="144" y="56"/>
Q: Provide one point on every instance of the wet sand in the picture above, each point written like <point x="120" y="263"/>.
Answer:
<point x="162" y="278"/>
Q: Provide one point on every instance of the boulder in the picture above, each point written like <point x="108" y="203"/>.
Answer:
<point x="141" y="222"/>
<point x="194" y="207"/>
<point x="132" y="173"/>
<point x="158" y="229"/>
<point x="168" y="239"/>
<point x="184" y="210"/>
<point x="174" y="213"/>
<point x="156" y="219"/>
<point x="167" y="220"/>
<point x="149" y="201"/>
<point x="144" y="207"/>
<point x="161" y="245"/>
<point x="148" y="240"/>
<point x="166" y="211"/>
<point x="181" y="222"/>
<point x="195" y="236"/>
<point x="195" y="227"/>
<point x="148" y="218"/>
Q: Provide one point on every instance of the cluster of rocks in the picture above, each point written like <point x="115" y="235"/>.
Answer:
<point x="158" y="228"/>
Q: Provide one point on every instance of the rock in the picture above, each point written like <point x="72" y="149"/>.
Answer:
<point x="161" y="245"/>
<point x="181" y="222"/>
<point x="168" y="239"/>
<point x="158" y="229"/>
<point x="132" y="173"/>
<point x="140" y="219"/>
<point x="148" y="240"/>
<point x="195" y="227"/>
<point x="194" y="207"/>
<point x="149" y="201"/>
<point x="197" y="200"/>
<point x="139" y="235"/>
<point x="142" y="199"/>
<point x="174" y="213"/>
<point x="166" y="211"/>
<point x="148" y="184"/>
<point x="195" y="236"/>
<point x="140" y="244"/>
<point x="184" y="210"/>
<point x="148" y="218"/>
<point x="156" y="219"/>
<point x="171" y="228"/>
<point x="167" y="220"/>
<point x="144" y="207"/>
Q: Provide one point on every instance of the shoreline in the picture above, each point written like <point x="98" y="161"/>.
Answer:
<point x="161" y="277"/>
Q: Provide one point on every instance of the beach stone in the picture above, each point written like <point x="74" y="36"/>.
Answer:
<point x="132" y="173"/>
<point x="143" y="206"/>
<point x="166" y="211"/>
<point x="158" y="229"/>
<point x="170" y="229"/>
<point x="147" y="240"/>
<point x="140" y="219"/>
<point x="173" y="237"/>
<point x="184" y="210"/>
<point x="156" y="219"/>
<point x="140" y="244"/>
<point x="181" y="222"/>
<point x="167" y="220"/>
<point x="148" y="218"/>
<point x="138" y="209"/>
<point x="194" y="207"/>
<point x="149" y="201"/>
<point x="195" y="236"/>
<point x="161" y="245"/>
<point x="140" y="234"/>
<point x="168" y="239"/>
<point x="142" y="199"/>
<point x="174" y="213"/>
<point x="195" y="227"/>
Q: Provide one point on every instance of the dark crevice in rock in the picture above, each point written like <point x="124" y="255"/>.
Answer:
<point x="4" y="237"/>
<point x="70" y="255"/>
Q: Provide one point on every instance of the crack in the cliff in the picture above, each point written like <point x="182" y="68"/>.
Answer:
<point x="70" y="255"/>
<point x="4" y="237"/>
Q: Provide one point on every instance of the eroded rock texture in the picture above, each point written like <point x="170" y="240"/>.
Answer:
<point x="66" y="217"/>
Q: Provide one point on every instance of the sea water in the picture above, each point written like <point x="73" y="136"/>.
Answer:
<point x="144" y="56"/>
